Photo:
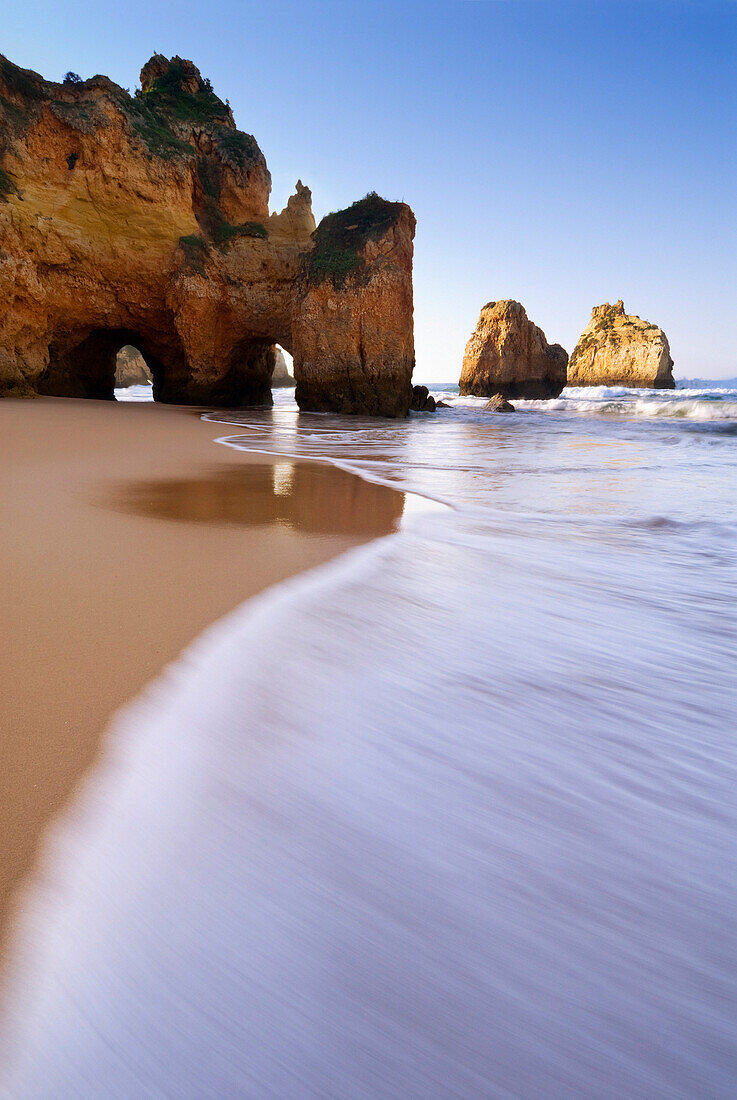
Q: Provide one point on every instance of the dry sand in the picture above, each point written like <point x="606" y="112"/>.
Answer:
<point x="125" y="532"/>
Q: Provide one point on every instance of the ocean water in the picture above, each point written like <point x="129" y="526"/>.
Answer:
<point x="452" y="816"/>
<point x="135" y="393"/>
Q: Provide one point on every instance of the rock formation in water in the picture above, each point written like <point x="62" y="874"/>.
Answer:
<point x="618" y="349"/>
<point x="131" y="369"/>
<point x="144" y="220"/>
<point x="422" y="400"/>
<point x="281" y="378"/>
<point x="509" y="355"/>
<point x="498" y="404"/>
<point x="353" y="336"/>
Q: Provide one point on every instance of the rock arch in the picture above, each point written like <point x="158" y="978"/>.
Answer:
<point x="144" y="219"/>
<point x="85" y="366"/>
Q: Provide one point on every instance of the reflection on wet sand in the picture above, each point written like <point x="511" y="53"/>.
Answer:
<point x="306" y="497"/>
<point x="98" y="598"/>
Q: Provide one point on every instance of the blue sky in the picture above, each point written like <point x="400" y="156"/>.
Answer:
<point x="560" y="153"/>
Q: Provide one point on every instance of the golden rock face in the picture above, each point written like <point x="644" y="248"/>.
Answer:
<point x="144" y="221"/>
<point x="620" y="349"/>
<point x="509" y="355"/>
<point x="354" y="340"/>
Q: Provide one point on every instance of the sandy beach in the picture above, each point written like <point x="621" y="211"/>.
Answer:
<point x="127" y="531"/>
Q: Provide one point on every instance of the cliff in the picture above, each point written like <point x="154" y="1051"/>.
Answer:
<point x="144" y="220"/>
<point x="619" y="349"/>
<point x="509" y="355"/>
<point x="354" y="337"/>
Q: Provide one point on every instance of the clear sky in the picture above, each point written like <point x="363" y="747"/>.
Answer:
<point x="560" y="152"/>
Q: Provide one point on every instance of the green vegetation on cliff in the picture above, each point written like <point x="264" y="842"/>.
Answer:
<point x="225" y="232"/>
<point x="173" y="98"/>
<point x="220" y="234"/>
<point x="170" y="96"/>
<point x="214" y="224"/>
<point x="154" y="132"/>
<point x="341" y="237"/>
<point x="238" y="148"/>
<point x="195" y="252"/>
<point x="23" y="82"/>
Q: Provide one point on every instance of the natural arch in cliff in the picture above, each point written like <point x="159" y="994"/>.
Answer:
<point x="145" y="220"/>
<point x="131" y="369"/>
<point x="86" y="366"/>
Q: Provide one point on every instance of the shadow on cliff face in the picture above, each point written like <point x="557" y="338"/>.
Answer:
<point x="307" y="497"/>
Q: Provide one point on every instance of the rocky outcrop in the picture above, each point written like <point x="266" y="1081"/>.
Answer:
<point x="353" y="335"/>
<point x="619" y="349"/>
<point x="422" y="400"/>
<point x="498" y="404"/>
<point x="144" y="220"/>
<point x="281" y="378"/>
<point x="509" y="355"/>
<point x="131" y="369"/>
<point x="296" y="221"/>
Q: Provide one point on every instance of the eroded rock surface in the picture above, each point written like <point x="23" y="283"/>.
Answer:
<point x="144" y="220"/>
<point x="131" y="369"/>
<point x="619" y="349"/>
<point x="422" y="400"/>
<point x="353" y="333"/>
<point x="509" y="355"/>
<point x="498" y="404"/>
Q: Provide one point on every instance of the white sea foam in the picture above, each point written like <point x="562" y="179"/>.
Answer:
<point x="453" y="816"/>
<point x="706" y="404"/>
<point x="135" y="393"/>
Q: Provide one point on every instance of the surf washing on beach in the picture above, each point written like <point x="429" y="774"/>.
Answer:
<point x="435" y="812"/>
<point x="367" y="738"/>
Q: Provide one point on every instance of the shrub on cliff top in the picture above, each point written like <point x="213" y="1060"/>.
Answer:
<point x="340" y="238"/>
<point x="168" y="96"/>
<point x="169" y="100"/>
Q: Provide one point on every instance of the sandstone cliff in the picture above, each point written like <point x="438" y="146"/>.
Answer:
<point x="353" y="340"/>
<point x="509" y="355"/>
<point x="618" y="349"/>
<point x="144" y="220"/>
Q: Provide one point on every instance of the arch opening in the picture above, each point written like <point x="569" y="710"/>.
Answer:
<point x="88" y="366"/>
<point x="133" y="379"/>
<point x="94" y="363"/>
<point x="283" y="375"/>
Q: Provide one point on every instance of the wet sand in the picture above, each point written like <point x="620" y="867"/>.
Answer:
<point x="127" y="531"/>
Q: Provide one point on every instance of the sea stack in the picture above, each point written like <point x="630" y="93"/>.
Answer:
<point x="619" y="349"/>
<point x="353" y="330"/>
<point x="144" y="220"/>
<point x="131" y="369"/>
<point x="509" y="355"/>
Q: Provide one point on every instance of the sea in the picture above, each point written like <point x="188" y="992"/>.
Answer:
<point x="452" y="816"/>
